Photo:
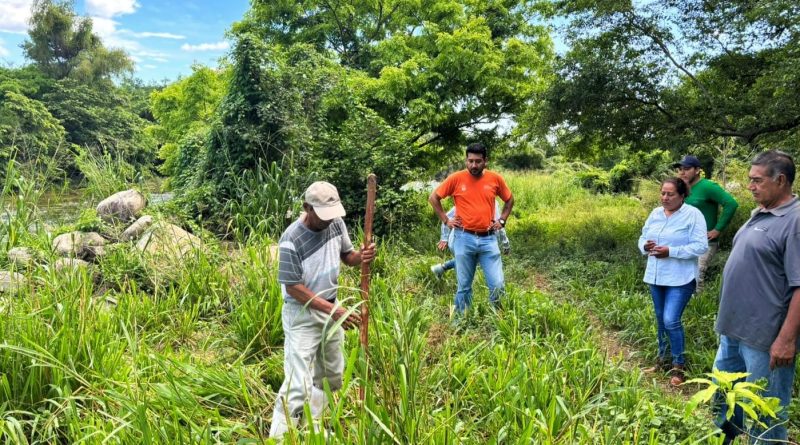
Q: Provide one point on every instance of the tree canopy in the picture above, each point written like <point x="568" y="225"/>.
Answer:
<point x="677" y="74"/>
<point x="62" y="45"/>
<point x="335" y="91"/>
<point x="66" y="101"/>
<point x="437" y="68"/>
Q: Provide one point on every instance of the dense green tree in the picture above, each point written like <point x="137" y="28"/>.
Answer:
<point x="676" y="74"/>
<point x="264" y="114"/>
<point x="62" y="45"/>
<point x="28" y="132"/>
<point x="184" y="111"/>
<point x="99" y="118"/>
<point x="188" y="102"/>
<point x="334" y="91"/>
<point x="293" y="108"/>
<point x="436" y="68"/>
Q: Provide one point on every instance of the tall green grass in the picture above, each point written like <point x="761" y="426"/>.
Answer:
<point x="105" y="174"/>
<point x="123" y="358"/>
<point x="585" y="247"/>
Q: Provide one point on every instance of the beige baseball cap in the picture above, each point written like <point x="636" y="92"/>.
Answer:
<point x="324" y="197"/>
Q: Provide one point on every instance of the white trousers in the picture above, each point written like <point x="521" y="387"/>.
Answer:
<point x="312" y="353"/>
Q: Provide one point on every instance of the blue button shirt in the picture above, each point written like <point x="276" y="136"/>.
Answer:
<point x="684" y="232"/>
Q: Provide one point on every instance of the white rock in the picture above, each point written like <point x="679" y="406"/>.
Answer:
<point x="21" y="257"/>
<point x="62" y="264"/>
<point x="121" y="206"/>
<point x="137" y="228"/>
<point x="11" y="282"/>
<point x="78" y="244"/>
<point x="165" y="239"/>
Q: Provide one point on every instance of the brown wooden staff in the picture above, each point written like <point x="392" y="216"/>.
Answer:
<point x="365" y="270"/>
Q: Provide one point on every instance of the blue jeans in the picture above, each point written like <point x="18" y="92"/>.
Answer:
<point x="449" y="264"/>
<point x="471" y="250"/>
<point x="735" y="356"/>
<point x="669" y="303"/>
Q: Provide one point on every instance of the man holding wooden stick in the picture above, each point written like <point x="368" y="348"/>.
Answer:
<point x="310" y="252"/>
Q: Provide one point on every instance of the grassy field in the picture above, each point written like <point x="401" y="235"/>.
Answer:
<point x="114" y="356"/>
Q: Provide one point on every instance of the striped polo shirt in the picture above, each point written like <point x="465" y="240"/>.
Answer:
<point x="312" y="258"/>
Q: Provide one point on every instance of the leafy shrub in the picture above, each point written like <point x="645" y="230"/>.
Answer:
<point x="123" y="267"/>
<point x="523" y="157"/>
<point x="106" y="174"/>
<point x="594" y="179"/>
<point x="28" y="131"/>
<point x="361" y="144"/>
<point x="266" y="196"/>
<point x="292" y="107"/>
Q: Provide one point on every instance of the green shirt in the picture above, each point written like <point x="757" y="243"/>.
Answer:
<point x="707" y="196"/>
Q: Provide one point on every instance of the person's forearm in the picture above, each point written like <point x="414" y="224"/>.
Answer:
<point x="436" y="203"/>
<point x="303" y="295"/>
<point x="791" y="325"/>
<point x="507" y="209"/>
<point x="353" y="258"/>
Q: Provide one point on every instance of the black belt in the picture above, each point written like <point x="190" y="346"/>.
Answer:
<point x="472" y="232"/>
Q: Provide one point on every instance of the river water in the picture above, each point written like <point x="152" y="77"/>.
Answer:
<point x="64" y="206"/>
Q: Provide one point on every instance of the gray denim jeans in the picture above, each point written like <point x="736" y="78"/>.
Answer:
<point x="703" y="261"/>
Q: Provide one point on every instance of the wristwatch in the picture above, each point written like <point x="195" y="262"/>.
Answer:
<point x="502" y="222"/>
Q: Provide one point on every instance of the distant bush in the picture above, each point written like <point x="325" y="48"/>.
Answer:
<point x="595" y="179"/>
<point x="297" y="110"/>
<point x="522" y="158"/>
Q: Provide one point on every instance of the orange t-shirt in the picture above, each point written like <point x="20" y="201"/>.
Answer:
<point x="474" y="197"/>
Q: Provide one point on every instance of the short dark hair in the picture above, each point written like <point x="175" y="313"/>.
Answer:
<point x="680" y="186"/>
<point x="477" y="148"/>
<point x="777" y="163"/>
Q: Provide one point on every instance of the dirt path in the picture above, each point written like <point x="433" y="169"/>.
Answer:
<point x="608" y="339"/>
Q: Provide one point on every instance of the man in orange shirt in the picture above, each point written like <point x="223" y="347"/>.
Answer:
<point x="474" y="191"/>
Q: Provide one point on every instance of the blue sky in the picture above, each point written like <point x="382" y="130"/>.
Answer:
<point x="163" y="37"/>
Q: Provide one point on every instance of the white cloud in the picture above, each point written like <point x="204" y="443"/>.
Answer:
<point x="149" y="67"/>
<point x="110" y="8"/>
<point x="116" y="38"/>
<point x="3" y="51"/>
<point x="160" y="35"/>
<point x="219" y="46"/>
<point x="155" y="55"/>
<point x="14" y="15"/>
<point x="107" y="30"/>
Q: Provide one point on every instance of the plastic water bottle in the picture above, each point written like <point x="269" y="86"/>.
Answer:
<point x="502" y="241"/>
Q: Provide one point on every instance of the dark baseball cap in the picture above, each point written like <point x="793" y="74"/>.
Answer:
<point x="687" y="161"/>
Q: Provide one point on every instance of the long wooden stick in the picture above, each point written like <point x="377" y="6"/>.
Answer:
<point x="365" y="271"/>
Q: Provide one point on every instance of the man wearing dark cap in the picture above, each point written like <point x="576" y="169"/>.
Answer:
<point x="707" y="196"/>
<point x="310" y="252"/>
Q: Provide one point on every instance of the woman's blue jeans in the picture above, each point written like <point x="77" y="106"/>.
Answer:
<point x="669" y="303"/>
<point x="471" y="250"/>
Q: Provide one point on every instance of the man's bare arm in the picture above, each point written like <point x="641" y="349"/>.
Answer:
<point x="507" y="206"/>
<point x="436" y="203"/>
<point x="304" y="296"/>
<point x="783" y="349"/>
<point x="356" y="257"/>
